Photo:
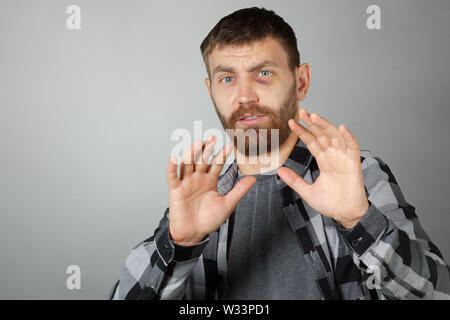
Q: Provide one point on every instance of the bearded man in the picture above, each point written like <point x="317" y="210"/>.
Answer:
<point x="325" y="221"/>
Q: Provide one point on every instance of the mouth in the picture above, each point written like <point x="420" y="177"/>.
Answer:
<point x="250" y="119"/>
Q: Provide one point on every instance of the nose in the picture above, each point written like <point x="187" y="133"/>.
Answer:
<point x="246" y="93"/>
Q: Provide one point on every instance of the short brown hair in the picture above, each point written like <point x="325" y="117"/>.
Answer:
<point x="248" y="25"/>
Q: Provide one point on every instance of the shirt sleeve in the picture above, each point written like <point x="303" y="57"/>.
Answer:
<point x="157" y="268"/>
<point x="390" y="246"/>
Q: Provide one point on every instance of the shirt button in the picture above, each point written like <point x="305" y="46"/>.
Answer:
<point x="356" y="242"/>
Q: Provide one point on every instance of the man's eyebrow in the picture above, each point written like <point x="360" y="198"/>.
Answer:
<point x="225" y="68"/>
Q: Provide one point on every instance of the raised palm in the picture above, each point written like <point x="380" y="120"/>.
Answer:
<point x="196" y="207"/>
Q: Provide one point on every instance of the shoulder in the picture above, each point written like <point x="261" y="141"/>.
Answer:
<point x="375" y="170"/>
<point x="371" y="159"/>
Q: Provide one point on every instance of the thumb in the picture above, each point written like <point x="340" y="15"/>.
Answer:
<point x="238" y="191"/>
<point x="293" y="180"/>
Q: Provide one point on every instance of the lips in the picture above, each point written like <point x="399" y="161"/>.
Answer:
<point x="249" y="119"/>
<point x="249" y="116"/>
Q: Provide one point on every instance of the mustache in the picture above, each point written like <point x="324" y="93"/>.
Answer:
<point x="250" y="109"/>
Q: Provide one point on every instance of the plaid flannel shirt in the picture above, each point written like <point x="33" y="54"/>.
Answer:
<point x="386" y="255"/>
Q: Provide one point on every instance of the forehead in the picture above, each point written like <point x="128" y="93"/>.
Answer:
<point x="246" y="55"/>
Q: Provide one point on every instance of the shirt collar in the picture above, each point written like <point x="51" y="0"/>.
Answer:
<point x="298" y="160"/>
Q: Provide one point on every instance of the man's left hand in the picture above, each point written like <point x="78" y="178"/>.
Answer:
<point x="339" y="191"/>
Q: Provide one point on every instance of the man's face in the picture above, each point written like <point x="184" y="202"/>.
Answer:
<point x="252" y="87"/>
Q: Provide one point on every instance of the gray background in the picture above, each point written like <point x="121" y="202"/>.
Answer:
<point x="86" y="118"/>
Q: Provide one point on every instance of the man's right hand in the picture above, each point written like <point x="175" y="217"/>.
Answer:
<point x="196" y="207"/>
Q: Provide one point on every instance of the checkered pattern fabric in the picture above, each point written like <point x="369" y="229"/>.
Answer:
<point x="386" y="255"/>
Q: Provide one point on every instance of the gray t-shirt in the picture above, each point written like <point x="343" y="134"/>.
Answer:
<point x="264" y="258"/>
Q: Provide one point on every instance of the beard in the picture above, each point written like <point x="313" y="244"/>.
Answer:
<point x="275" y="119"/>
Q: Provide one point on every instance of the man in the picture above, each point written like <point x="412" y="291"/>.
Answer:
<point x="325" y="221"/>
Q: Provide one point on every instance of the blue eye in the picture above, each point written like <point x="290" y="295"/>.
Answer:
<point x="225" y="78"/>
<point x="265" y="71"/>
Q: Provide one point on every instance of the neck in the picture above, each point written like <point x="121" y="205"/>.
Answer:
<point x="274" y="159"/>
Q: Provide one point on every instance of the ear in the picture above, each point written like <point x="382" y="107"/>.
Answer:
<point x="208" y="85"/>
<point x="302" y="79"/>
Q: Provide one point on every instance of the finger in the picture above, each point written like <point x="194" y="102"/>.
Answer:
<point x="293" y="180"/>
<point x="352" y="143"/>
<point x="207" y="150"/>
<point x="198" y="148"/>
<point x="307" y="137"/>
<point x="187" y="162"/>
<point x="219" y="160"/>
<point x="335" y="136"/>
<point x="172" y="176"/>
<point x="321" y="137"/>
<point x="182" y="170"/>
<point x="238" y="191"/>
